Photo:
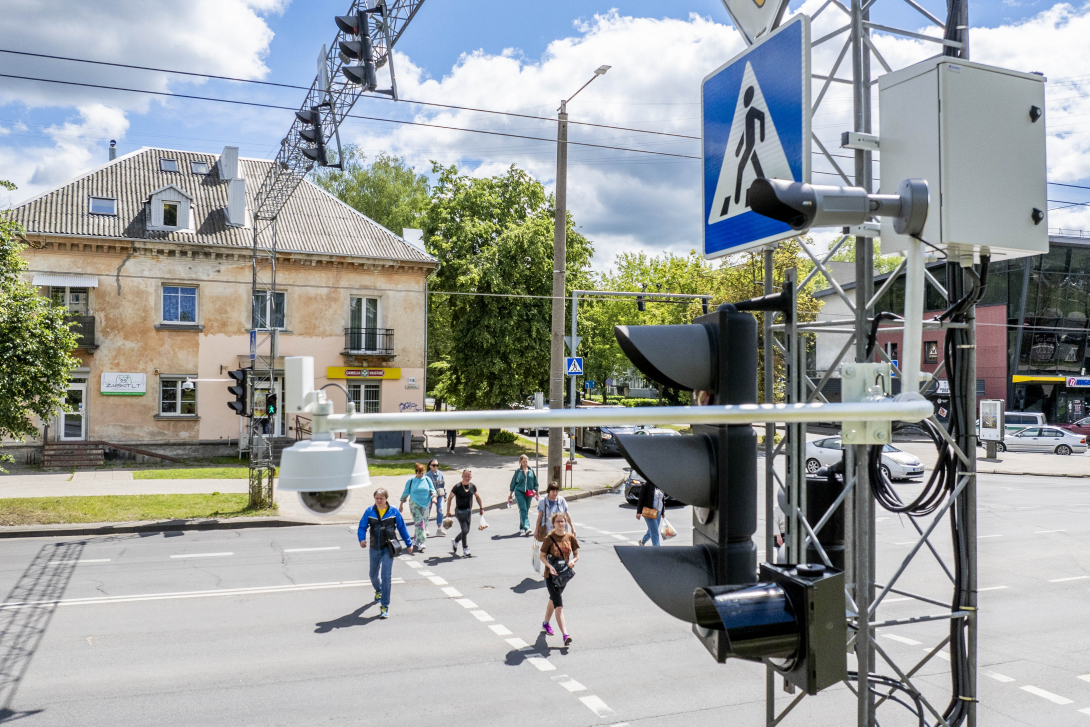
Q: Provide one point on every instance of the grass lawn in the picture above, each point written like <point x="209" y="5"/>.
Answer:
<point x="522" y="445"/>
<point x="194" y="473"/>
<point x="123" y="508"/>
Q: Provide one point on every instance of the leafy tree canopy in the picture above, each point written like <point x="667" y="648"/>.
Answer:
<point x="846" y="254"/>
<point x="387" y="190"/>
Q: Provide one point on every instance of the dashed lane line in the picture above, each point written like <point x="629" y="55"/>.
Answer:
<point x="981" y="537"/>
<point x="466" y="603"/>
<point x="540" y="663"/>
<point x="1072" y="578"/>
<point x="902" y="639"/>
<point x="1055" y="698"/>
<point x="517" y="643"/>
<point x="1084" y="677"/>
<point x="311" y="550"/>
<point x="201" y="555"/>
<point x="997" y="677"/>
<point x="992" y="588"/>
<point x="500" y="629"/>
<point x="413" y="564"/>
<point x="1085" y="711"/>
<point x="482" y="616"/>
<point x="437" y="580"/>
<point x="185" y="594"/>
<point x="596" y="705"/>
<point x="79" y="560"/>
<point x="568" y="683"/>
<point x="1042" y="532"/>
<point x="452" y="592"/>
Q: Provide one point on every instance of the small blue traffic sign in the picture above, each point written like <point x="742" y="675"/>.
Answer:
<point x="574" y="365"/>
<point x="756" y="124"/>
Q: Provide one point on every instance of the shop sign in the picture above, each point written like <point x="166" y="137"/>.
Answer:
<point x="114" y="384"/>
<point x="943" y="386"/>
<point x="1080" y="382"/>
<point x="343" y="372"/>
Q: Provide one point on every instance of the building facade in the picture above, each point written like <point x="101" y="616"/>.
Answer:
<point x="152" y="256"/>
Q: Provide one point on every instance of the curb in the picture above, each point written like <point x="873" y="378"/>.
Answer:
<point x="1030" y="474"/>
<point x="570" y="498"/>
<point x="47" y="531"/>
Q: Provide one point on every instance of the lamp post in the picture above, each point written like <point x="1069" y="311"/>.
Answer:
<point x="560" y="253"/>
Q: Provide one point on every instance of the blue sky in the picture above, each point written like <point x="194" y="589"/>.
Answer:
<point x="518" y="56"/>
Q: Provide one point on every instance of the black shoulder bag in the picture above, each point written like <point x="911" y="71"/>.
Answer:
<point x="389" y="534"/>
<point x="564" y="572"/>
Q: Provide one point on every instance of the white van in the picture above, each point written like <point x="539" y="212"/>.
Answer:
<point x="1017" y="420"/>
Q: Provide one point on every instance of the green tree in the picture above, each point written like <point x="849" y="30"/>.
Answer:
<point x="493" y="237"/>
<point x="387" y="190"/>
<point x="10" y="186"/>
<point x="34" y="345"/>
<point x="846" y="254"/>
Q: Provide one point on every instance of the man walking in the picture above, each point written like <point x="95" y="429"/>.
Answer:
<point x="384" y="525"/>
<point x="452" y="435"/>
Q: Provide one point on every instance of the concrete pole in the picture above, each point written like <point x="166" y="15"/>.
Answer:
<point x="574" y="379"/>
<point x="560" y="252"/>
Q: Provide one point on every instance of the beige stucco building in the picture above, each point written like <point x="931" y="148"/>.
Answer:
<point x="152" y="253"/>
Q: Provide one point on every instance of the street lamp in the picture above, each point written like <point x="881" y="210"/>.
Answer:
<point x="560" y="253"/>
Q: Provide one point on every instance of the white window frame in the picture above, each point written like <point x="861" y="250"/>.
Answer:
<point x="177" y="213"/>
<point x="358" y="392"/>
<point x="193" y="170"/>
<point x="267" y="316"/>
<point x="91" y="203"/>
<point x="164" y="160"/>
<point x="175" y="383"/>
<point x="163" y="308"/>
<point x="67" y="303"/>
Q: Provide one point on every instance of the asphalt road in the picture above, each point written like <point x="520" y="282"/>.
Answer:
<point x="260" y="627"/>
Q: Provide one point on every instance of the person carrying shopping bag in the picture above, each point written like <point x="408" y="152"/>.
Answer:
<point x="384" y="525"/>
<point x="420" y="493"/>
<point x="650" y="506"/>
<point x="440" y="485"/>
<point x="559" y="554"/>
<point x="462" y="496"/>
<point x="523" y="490"/>
<point x="547" y="506"/>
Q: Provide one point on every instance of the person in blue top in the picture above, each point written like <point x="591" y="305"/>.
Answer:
<point x="440" y="484"/>
<point x="420" y="492"/>
<point x="384" y="524"/>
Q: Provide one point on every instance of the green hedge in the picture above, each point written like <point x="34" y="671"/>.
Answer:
<point x="472" y="432"/>
<point x="504" y="437"/>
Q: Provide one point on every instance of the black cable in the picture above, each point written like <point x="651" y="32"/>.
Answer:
<point x="893" y="685"/>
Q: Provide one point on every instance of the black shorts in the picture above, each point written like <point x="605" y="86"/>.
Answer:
<point x="554" y="592"/>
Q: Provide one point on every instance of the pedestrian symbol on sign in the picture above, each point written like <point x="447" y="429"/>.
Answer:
<point x="574" y="366"/>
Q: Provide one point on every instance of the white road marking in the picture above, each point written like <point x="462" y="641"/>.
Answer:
<point x="992" y="588"/>
<point x="619" y="537"/>
<point x="397" y="580"/>
<point x="500" y="630"/>
<point x="1084" y="677"/>
<point x="452" y="592"/>
<point x="596" y="705"/>
<point x="482" y="616"/>
<point x="902" y="639"/>
<point x="80" y="560"/>
<point x="414" y="564"/>
<point x="1042" y="532"/>
<point x="201" y="555"/>
<point x="568" y="683"/>
<point x="185" y="594"/>
<point x="541" y="663"/>
<point x="894" y="600"/>
<point x="311" y="550"/>
<point x="988" y="536"/>
<point x="1072" y="578"/>
<point x="880" y="519"/>
<point x="466" y="603"/>
<point x="437" y="580"/>
<point x="517" y="643"/>
<point x="425" y="573"/>
<point x="1085" y="711"/>
<point x="997" y="677"/>
<point x="941" y="655"/>
<point x="404" y="557"/>
<point x="604" y="532"/>
<point x="1056" y="698"/>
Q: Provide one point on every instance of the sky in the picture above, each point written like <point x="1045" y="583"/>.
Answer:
<point x="512" y="56"/>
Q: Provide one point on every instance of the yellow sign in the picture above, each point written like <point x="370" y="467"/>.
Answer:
<point x="343" y="372"/>
<point x="1041" y="379"/>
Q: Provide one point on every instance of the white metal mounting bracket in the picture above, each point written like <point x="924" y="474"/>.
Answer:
<point x="858" y="140"/>
<point x="868" y="382"/>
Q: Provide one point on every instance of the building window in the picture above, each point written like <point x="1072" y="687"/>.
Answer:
<point x="74" y="300"/>
<point x="930" y="352"/>
<point x="363" y="323"/>
<point x="198" y="167"/>
<point x="168" y="165"/>
<point x="268" y="310"/>
<point x="366" y="397"/>
<point x="980" y="387"/>
<point x="170" y="214"/>
<point x="176" y="399"/>
<point x="179" y="304"/>
<point x="103" y="206"/>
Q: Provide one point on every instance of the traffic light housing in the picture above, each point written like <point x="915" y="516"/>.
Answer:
<point x="239" y="390"/>
<point x="358" y="48"/>
<point x="311" y="131"/>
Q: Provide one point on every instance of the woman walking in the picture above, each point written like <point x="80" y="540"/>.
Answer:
<point x="385" y="525"/>
<point x="559" y="554"/>
<point x="462" y="496"/>
<point x="440" y="485"/>
<point x="547" y="506"/>
<point x="421" y="496"/>
<point x="523" y="489"/>
<point x="650" y="506"/>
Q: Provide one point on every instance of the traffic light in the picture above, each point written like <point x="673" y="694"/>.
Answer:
<point x="641" y="305"/>
<point x="358" y="48"/>
<point x="311" y="131"/>
<point x="239" y="390"/>
<point x="715" y="471"/>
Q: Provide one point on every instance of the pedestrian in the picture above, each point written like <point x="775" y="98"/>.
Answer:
<point x="559" y="554"/>
<point x="523" y="490"/>
<point x="440" y="485"/>
<point x="462" y="496"/>
<point x="452" y="435"/>
<point x="385" y="525"/>
<point x="421" y="496"/>
<point x="547" y="506"/>
<point x="649" y="506"/>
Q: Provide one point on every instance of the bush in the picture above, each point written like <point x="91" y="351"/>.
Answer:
<point x="472" y="432"/>
<point x="504" y="437"/>
<point x="639" y="402"/>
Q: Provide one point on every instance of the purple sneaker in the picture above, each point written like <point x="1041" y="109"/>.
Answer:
<point x="547" y="628"/>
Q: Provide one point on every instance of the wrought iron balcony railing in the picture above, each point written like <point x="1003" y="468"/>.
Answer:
<point x="369" y="341"/>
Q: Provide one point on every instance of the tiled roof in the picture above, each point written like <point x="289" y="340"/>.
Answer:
<point x="312" y="221"/>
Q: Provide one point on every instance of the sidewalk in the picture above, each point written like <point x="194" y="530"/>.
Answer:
<point x="107" y="482"/>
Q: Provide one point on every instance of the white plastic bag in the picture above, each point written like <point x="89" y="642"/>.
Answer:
<point x="537" y="557"/>
<point x="666" y="530"/>
<point x="483" y="523"/>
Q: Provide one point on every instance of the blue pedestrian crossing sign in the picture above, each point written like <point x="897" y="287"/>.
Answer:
<point x="574" y="365"/>
<point x="756" y="123"/>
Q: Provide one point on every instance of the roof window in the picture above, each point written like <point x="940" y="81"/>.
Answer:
<point x="103" y="206"/>
<point x="198" y="167"/>
<point x="168" y="165"/>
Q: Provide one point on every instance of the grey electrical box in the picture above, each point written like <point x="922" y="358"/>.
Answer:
<point x="977" y="135"/>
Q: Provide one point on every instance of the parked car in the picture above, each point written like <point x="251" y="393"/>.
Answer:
<point x="896" y="464"/>
<point x="1082" y="426"/>
<point x="1044" y="439"/>
<point x="658" y="432"/>
<point x="602" y="440"/>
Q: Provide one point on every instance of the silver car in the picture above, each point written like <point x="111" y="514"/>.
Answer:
<point x="1043" y="439"/>
<point x="896" y="464"/>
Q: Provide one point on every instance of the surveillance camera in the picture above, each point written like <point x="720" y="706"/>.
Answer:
<point x="324" y="503"/>
<point x="803" y="206"/>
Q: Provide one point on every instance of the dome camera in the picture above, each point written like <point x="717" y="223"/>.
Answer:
<point x="187" y="385"/>
<point x="322" y="470"/>
<point x="324" y="503"/>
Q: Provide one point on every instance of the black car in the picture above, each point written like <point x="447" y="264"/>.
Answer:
<point x="602" y="440"/>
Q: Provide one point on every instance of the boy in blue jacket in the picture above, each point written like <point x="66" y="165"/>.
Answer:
<point x="385" y="524"/>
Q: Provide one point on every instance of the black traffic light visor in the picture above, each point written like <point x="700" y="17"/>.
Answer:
<point x="681" y="356"/>
<point x="670" y="576"/>
<point x="759" y="619"/>
<point x="682" y="467"/>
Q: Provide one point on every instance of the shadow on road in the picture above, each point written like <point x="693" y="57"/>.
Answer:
<point x="542" y="645"/>
<point x="507" y="537"/>
<point x="348" y="621"/>
<point x="25" y="615"/>
<point x="527" y="584"/>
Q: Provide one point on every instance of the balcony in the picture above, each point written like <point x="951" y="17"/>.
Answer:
<point x="84" y="328"/>
<point x="369" y="341"/>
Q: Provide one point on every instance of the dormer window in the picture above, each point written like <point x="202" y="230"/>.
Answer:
<point x="168" y="165"/>
<point x="170" y="214"/>
<point x="102" y="206"/>
<point x="198" y="167"/>
<point x="169" y="209"/>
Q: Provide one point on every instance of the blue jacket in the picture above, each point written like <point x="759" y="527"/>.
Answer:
<point x="420" y="490"/>
<point x="391" y="523"/>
